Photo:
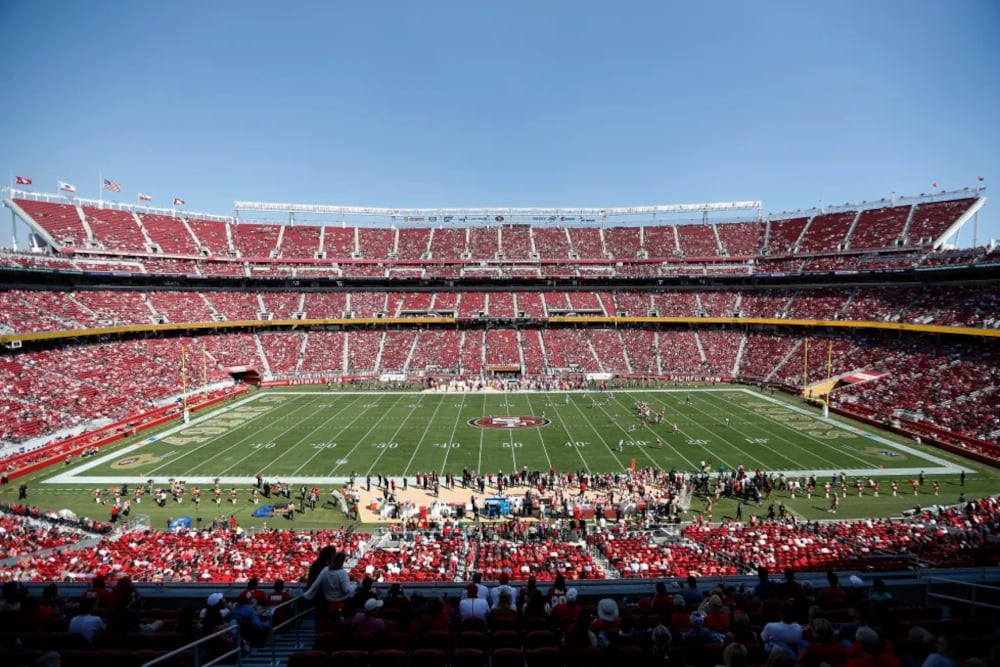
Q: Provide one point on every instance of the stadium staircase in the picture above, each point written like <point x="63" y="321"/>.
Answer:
<point x="739" y="356"/>
<point x="83" y="221"/>
<point x="909" y="219"/>
<point x="381" y="349"/>
<point x="785" y="359"/>
<point x="263" y="356"/>
<point x="701" y="350"/>
<point x="850" y="230"/>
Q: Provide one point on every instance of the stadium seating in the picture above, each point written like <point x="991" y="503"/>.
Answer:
<point x="170" y="234"/>
<point x="255" y="241"/>
<point x="300" y="242"/>
<point x="61" y="221"/>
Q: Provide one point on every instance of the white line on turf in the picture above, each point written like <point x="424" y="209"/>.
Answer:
<point x="423" y="435"/>
<point x="375" y="424"/>
<point x="451" y="438"/>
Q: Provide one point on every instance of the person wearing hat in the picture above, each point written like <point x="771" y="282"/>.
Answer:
<point x="699" y="634"/>
<point x="253" y="628"/>
<point x="566" y="613"/>
<point x="473" y="606"/>
<point x="367" y="620"/>
<point x="608" y="618"/>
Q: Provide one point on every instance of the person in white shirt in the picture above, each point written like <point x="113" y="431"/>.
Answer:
<point x="504" y="586"/>
<point x="473" y="606"/>
<point x="785" y="633"/>
<point x="85" y="622"/>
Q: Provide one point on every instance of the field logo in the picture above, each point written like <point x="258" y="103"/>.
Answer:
<point x="510" y="422"/>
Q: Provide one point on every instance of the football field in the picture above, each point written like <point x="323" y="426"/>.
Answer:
<point x="317" y="437"/>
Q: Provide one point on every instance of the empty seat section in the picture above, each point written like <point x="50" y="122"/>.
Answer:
<point x="115" y="230"/>
<point x="61" y="221"/>
<point x="254" y="241"/>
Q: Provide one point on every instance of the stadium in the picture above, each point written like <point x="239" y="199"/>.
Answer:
<point x="448" y="334"/>
<point x="612" y="396"/>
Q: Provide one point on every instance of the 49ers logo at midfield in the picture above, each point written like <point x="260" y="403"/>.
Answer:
<point x="510" y="421"/>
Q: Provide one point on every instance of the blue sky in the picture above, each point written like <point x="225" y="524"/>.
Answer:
<point x="522" y="103"/>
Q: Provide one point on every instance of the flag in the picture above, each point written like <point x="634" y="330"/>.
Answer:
<point x="113" y="186"/>
<point x="178" y="201"/>
<point x="21" y="180"/>
<point x="981" y="179"/>
<point x="934" y="185"/>
<point x="143" y="197"/>
<point x="66" y="187"/>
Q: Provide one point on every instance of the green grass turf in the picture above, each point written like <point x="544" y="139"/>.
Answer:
<point x="321" y="436"/>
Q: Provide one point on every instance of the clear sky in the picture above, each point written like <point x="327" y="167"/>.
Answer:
<point x="522" y="103"/>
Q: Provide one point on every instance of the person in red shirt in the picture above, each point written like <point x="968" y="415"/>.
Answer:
<point x="823" y="648"/>
<point x="437" y="618"/>
<point x="870" y="651"/>
<point x="608" y="620"/>
<point x="717" y="617"/>
<point x="833" y="596"/>
<point x="98" y="591"/>
<point x="277" y="597"/>
<point x="252" y="593"/>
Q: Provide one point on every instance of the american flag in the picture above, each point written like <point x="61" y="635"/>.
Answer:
<point x="113" y="186"/>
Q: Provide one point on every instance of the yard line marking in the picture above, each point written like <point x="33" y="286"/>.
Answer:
<point x="510" y="436"/>
<point x="277" y="438"/>
<point x="336" y="436"/>
<point x="375" y="425"/>
<point x="538" y="432"/>
<point x="724" y="440"/>
<point x="451" y="438"/>
<point x="422" y="436"/>
<point x="826" y="443"/>
<point x="201" y="464"/>
<point x="254" y="434"/>
<point x="399" y="428"/>
<point x="625" y="431"/>
<point x="482" y="434"/>
<point x="570" y="438"/>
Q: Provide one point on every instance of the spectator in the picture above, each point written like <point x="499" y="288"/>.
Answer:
<point x="824" y="648"/>
<point x="85" y="622"/>
<point x="277" y="597"/>
<point x="504" y="586"/>
<point x="871" y="651"/>
<point x="503" y="611"/>
<point x="790" y="589"/>
<point x="581" y="635"/>
<point x="608" y="620"/>
<point x="680" y="619"/>
<point x="736" y="655"/>
<point x="367" y="620"/>
<point x="944" y="654"/>
<point x="473" y="606"/>
<point x="252" y="592"/>
<point x="692" y="597"/>
<point x="765" y="589"/>
<point x="699" y="634"/>
<point x="436" y="618"/>
<point x="332" y="585"/>
<point x="833" y="596"/>
<point x="785" y="634"/>
<point x="253" y="628"/>
<point x="564" y="614"/>
<point x="717" y="616"/>
<point x="661" y="638"/>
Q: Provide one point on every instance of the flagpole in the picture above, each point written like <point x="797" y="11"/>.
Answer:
<point x="100" y="188"/>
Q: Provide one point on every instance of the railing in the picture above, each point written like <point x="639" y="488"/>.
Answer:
<point x="294" y="622"/>
<point x="972" y="600"/>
